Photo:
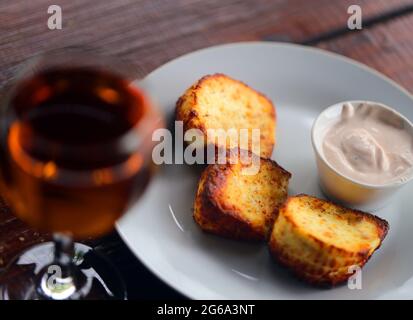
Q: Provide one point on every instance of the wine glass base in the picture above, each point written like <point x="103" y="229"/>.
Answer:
<point x="21" y="279"/>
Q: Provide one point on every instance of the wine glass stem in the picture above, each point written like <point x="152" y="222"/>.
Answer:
<point x="64" y="253"/>
<point x="58" y="281"/>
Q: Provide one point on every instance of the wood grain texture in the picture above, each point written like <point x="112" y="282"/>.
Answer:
<point x="387" y="47"/>
<point x="151" y="32"/>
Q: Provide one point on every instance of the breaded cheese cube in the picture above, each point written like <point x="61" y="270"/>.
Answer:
<point x="322" y="242"/>
<point x="220" y="102"/>
<point x="236" y="205"/>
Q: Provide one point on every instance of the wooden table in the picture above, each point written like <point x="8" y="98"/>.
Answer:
<point x="151" y="32"/>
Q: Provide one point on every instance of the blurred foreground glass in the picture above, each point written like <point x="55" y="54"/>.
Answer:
<point x="75" y="153"/>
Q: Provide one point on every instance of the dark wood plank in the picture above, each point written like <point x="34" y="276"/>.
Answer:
<point x="151" y="32"/>
<point x="14" y="235"/>
<point x="387" y="47"/>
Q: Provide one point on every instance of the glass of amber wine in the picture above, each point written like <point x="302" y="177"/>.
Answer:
<point x="75" y="152"/>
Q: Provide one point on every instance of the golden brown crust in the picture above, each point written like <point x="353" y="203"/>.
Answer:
<point x="308" y="255"/>
<point x="219" y="219"/>
<point x="189" y="109"/>
<point x="382" y="225"/>
<point x="217" y="210"/>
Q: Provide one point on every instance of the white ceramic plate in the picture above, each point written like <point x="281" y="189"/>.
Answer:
<point x="301" y="81"/>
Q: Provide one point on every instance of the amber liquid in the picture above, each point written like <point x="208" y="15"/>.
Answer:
<point x="63" y="164"/>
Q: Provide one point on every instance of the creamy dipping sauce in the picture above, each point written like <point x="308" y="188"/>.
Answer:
<point x="370" y="144"/>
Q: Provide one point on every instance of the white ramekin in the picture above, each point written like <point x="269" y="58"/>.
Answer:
<point x="340" y="188"/>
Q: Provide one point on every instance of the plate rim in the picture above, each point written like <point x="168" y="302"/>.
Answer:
<point x="182" y="289"/>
